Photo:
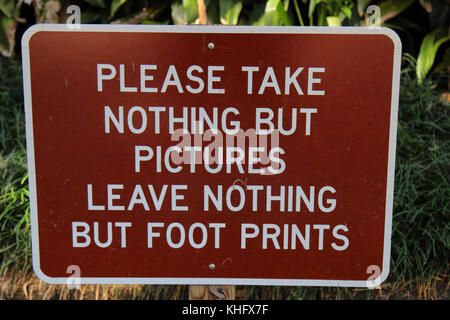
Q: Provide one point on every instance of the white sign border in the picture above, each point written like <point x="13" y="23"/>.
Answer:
<point x="211" y="30"/>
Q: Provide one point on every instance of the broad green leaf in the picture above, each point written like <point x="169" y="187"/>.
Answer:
<point x="191" y="10"/>
<point x="282" y="11"/>
<point x="333" y="21"/>
<point x="322" y="16"/>
<point x="275" y="15"/>
<point x="115" y="5"/>
<point x="7" y="7"/>
<point x="391" y="8"/>
<point x="312" y="8"/>
<point x="7" y="32"/>
<point x="229" y="11"/>
<point x="428" y="49"/>
<point x="97" y="3"/>
<point x="347" y="11"/>
<point x="271" y="16"/>
<point x="185" y="12"/>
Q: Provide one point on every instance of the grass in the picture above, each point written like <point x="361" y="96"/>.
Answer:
<point x="15" y="247"/>
<point x="421" y="237"/>
<point x="420" y="241"/>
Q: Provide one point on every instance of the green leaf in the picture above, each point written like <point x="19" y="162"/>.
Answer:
<point x="391" y="8"/>
<point x="115" y="5"/>
<point x="271" y="16"/>
<point x="185" y="12"/>
<point x="97" y="3"/>
<point x="299" y="14"/>
<point x="333" y="21"/>
<point x="347" y="11"/>
<point x="7" y="7"/>
<point x="7" y="31"/>
<point x="312" y="8"/>
<point x="282" y="11"/>
<point x="229" y="11"/>
<point x="322" y="16"/>
<point x="191" y="10"/>
<point x="428" y="49"/>
<point x="275" y="14"/>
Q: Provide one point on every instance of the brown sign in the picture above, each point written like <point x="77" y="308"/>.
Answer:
<point x="211" y="155"/>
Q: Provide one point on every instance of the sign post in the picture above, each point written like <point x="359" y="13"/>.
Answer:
<point x="208" y="155"/>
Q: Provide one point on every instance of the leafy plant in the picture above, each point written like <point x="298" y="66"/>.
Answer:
<point x="391" y="8"/>
<point x="14" y="197"/>
<point x="329" y="12"/>
<point x="428" y="50"/>
<point x="185" y="12"/>
<point x="229" y="11"/>
<point x="9" y="17"/>
<point x="275" y="14"/>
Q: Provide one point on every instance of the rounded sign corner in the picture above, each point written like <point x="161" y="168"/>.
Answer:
<point x="384" y="275"/>
<point x="376" y="282"/>
<point x="391" y="34"/>
<point x="29" y="33"/>
<point x="42" y="276"/>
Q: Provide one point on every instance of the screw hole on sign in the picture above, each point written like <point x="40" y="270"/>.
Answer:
<point x="375" y="272"/>
<point x="73" y="282"/>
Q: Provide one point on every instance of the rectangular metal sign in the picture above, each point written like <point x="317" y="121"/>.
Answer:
<point x="211" y="154"/>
